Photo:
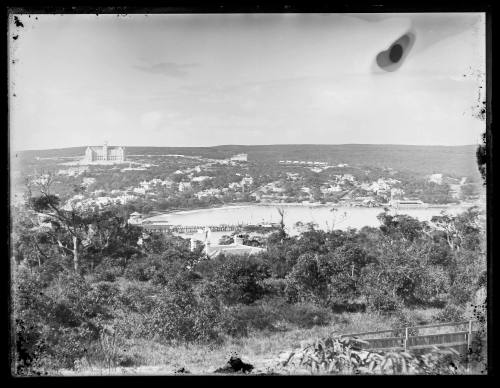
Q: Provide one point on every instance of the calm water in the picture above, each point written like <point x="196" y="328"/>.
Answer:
<point x="343" y="218"/>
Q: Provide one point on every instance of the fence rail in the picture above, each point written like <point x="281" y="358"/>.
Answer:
<point x="449" y="339"/>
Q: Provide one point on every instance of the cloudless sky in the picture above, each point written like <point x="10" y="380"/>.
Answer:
<point x="204" y="80"/>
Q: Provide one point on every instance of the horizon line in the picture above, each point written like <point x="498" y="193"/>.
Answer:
<point x="255" y="145"/>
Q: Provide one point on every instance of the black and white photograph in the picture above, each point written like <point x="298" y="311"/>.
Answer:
<point x="247" y="193"/>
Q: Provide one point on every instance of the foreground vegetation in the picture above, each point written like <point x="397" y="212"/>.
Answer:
<point x="93" y="291"/>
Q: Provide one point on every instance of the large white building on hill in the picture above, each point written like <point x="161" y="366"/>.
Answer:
<point x="105" y="153"/>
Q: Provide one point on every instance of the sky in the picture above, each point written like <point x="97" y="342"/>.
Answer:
<point x="213" y="79"/>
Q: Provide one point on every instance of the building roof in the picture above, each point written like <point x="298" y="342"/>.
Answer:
<point x="232" y="249"/>
<point x="99" y="148"/>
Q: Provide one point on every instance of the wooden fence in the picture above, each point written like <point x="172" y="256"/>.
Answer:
<point x="413" y="337"/>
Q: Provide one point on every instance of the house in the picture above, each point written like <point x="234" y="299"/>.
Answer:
<point x="144" y="185"/>
<point x="436" y="178"/>
<point x="135" y="218"/>
<point x="208" y="193"/>
<point x="200" y="178"/>
<point x="105" y="153"/>
<point x="139" y="190"/>
<point x="184" y="186"/>
<point x="247" y="181"/>
<point x="239" y="158"/>
<point x="331" y="189"/>
<point x="256" y="195"/>
<point x="411" y="203"/>
<point x="237" y="248"/>
<point x="396" y="192"/>
<point x="348" y="177"/>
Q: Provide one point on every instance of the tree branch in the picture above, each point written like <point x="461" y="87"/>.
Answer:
<point x="62" y="246"/>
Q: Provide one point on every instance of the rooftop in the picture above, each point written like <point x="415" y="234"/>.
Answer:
<point x="232" y="249"/>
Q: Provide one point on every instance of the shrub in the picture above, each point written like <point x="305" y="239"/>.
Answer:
<point x="105" y="294"/>
<point x="139" y="297"/>
<point x="31" y="306"/>
<point x="232" y="324"/>
<point x="138" y="270"/>
<point x="30" y="348"/>
<point x="274" y="287"/>
<point x="306" y="315"/>
<point x="309" y="279"/>
<point x="254" y="317"/>
<point x="451" y="313"/>
<point x="337" y="355"/>
<point x="239" y="279"/>
<point x="461" y="292"/>
<point x="107" y="273"/>
<point x="50" y="269"/>
<point x="156" y="268"/>
<point x="178" y="315"/>
<point x="406" y="318"/>
<point x="433" y="284"/>
<point x="272" y="315"/>
<point x="56" y="326"/>
<point x="383" y="302"/>
<point x="68" y="344"/>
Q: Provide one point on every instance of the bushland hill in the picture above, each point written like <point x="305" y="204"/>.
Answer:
<point x="455" y="161"/>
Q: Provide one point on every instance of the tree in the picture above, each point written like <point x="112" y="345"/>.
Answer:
<point x="31" y="240"/>
<point x="309" y="279"/>
<point x="81" y="231"/>
<point x="282" y="231"/>
<point x="336" y="218"/>
<point x="65" y="223"/>
<point x="398" y="270"/>
<point x="402" y="226"/>
<point x="482" y="158"/>
<point x="460" y="231"/>
<point x="239" y="279"/>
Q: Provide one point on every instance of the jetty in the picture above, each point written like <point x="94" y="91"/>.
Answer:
<point x="167" y="228"/>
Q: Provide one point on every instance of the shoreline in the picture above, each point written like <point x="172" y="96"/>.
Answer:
<point x="236" y="205"/>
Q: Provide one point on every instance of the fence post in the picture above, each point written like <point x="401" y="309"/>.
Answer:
<point x="406" y="338"/>
<point x="469" y="336"/>
<point x="469" y="342"/>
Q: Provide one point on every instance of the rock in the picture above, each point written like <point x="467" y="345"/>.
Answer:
<point x="235" y="365"/>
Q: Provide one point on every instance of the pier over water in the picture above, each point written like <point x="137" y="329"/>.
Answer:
<point x="190" y="228"/>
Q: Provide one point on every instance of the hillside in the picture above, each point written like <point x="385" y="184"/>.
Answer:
<point x="450" y="160"/>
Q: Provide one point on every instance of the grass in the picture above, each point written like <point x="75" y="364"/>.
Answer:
<point x="261" y="349"/>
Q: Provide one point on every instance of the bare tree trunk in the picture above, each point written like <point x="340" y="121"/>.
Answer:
<point x="281" y="212"/>
<point x="75" y="253"/>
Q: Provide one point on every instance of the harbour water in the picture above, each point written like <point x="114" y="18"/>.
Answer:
<point x="322" y="215"/>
